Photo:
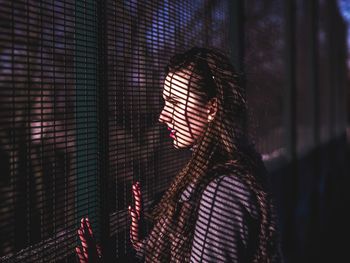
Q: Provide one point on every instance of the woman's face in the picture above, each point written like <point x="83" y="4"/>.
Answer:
<point x="185" y="112"/>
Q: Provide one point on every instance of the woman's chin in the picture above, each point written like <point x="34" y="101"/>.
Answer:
<point x="179" y="145"/>
<point x="176" y="145"/>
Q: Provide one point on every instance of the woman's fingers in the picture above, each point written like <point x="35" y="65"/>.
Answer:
<point x="135" y="214"/>
<point x="88" y="226"/>
<point x="80" y="255"/>
<point x="136" y="191"/>
<point x="82" y="228"/>
<point x="134" y="233"/>
<point x="83" y="243"/>
<point x="134" y="229"/>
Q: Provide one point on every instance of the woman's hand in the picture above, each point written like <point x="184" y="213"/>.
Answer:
<point x="89" y="250"/>
<point x="135" y="213"/>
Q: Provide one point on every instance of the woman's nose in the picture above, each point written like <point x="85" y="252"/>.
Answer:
<point x="164" y="116"/>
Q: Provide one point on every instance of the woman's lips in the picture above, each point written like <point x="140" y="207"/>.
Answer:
<point x="172" y="133"/>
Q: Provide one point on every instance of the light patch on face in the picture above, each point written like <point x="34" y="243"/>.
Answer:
<point x="184" y="111"/>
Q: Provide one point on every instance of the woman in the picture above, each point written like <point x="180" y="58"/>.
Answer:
<point x="217" y="208"/>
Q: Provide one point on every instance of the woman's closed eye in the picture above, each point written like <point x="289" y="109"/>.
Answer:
<point x="174" y="102"/>
<point x="171" y="101"/>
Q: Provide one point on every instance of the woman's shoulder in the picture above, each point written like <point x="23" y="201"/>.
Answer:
<point x="229" y="189"/>
<point x="225" y="185"/>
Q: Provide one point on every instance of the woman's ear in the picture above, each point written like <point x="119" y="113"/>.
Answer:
<point x="212" y="108"/>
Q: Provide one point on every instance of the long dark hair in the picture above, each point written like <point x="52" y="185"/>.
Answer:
<point x="223" y="144"/>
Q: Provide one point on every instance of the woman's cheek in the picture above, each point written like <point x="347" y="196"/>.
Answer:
<point x="197" y="124"/>
<point x="180" y="114"/>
